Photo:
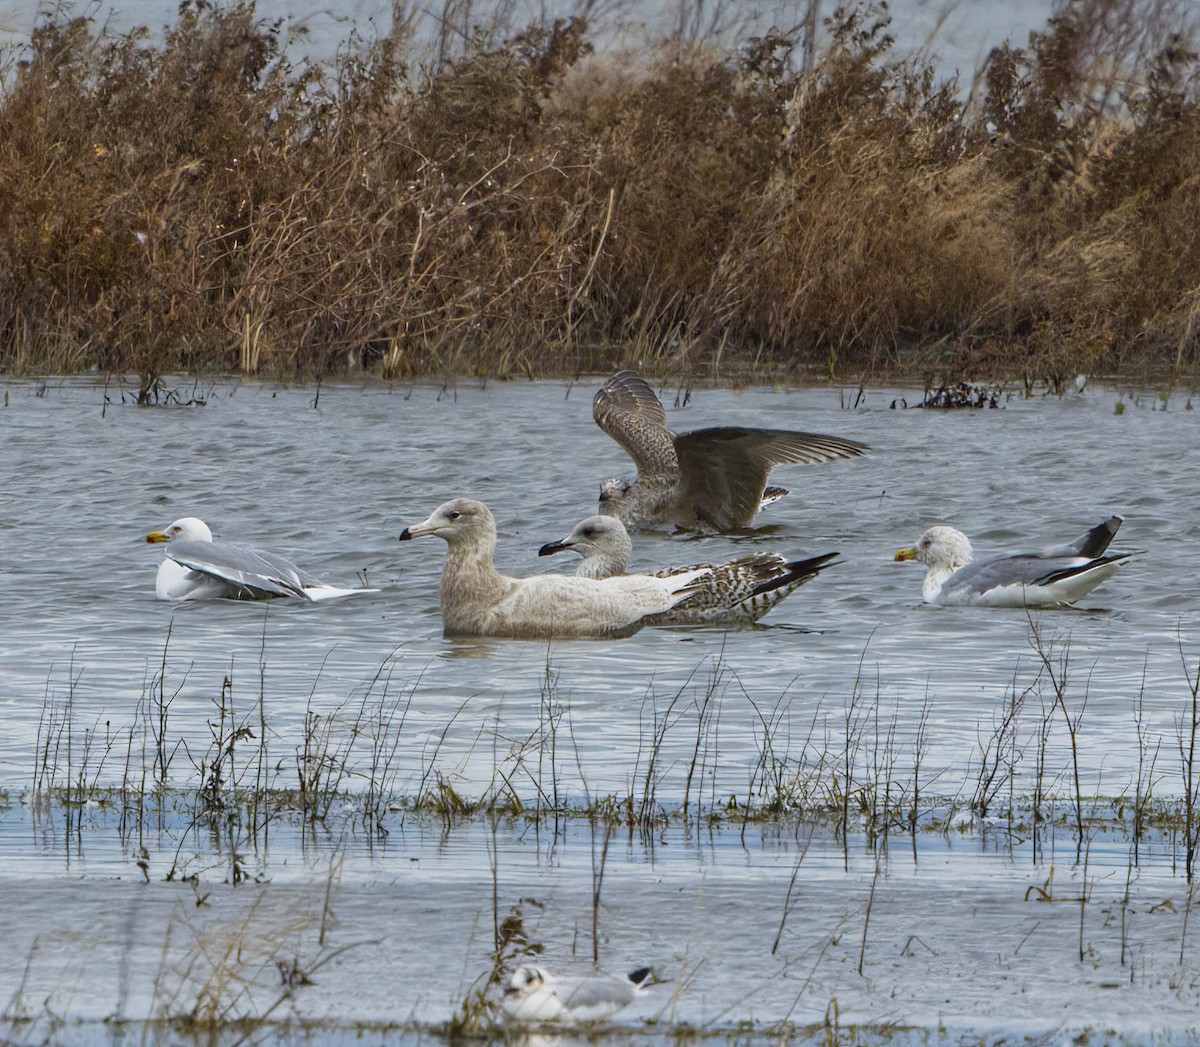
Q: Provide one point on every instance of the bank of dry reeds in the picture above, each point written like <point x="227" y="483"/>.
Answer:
<point x="528" y="205"/>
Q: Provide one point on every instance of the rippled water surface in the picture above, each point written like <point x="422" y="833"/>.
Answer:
<point x="330" y="480"/>
<point x="954" y="933"/>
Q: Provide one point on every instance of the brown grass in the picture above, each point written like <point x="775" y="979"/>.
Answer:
<point x="526" y="206"/>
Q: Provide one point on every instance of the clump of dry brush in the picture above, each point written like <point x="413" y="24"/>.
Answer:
<point x="523" y="204"/>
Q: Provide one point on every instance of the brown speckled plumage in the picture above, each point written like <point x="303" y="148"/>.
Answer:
<point x="710" y="479"/>
<point x="734" y="593"/>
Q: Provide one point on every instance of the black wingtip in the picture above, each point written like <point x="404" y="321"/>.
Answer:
<point x="1097" y="540"/>
<point x="641" y="975"/>
<point x="1069" y="572"/>
<point x="797" y="571"/>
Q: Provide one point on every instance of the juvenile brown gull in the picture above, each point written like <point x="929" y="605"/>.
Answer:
<point x="710" y="479"/>
<point x="1053" y="577"/>
<point x="535" y="995"/>
<point x="477" y="600"/>
<point x="737" y="592"/>
<point x="197" y="568"/>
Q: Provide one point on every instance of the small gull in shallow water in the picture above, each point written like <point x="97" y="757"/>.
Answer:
<point x="535" y="995"/>
<point x="477" y="600"/>
<point x="197" y="568"/>
<point x="737" y="592"/>
<point x="710" y="479"/>
<point x="1053" y="577"/>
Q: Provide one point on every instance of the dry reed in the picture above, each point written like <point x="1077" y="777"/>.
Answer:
<point x="523" y="205"/>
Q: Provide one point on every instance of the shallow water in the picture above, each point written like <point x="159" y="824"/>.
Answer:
<point x="332" y="485"/>
<point x="952" y="940"/>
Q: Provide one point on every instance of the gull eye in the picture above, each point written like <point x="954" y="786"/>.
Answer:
<point x="453" y="514"/>
<point x="587" y="532"/>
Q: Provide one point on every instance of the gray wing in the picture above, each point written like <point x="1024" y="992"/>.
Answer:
<point x="1014" y="569"/>
<point x="600" y="992"/>
<point x="725" y="468"/>
<point x="243" y="567"/>
<point x="627" y="409"/>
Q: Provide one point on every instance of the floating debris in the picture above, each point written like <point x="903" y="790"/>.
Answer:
<point x="952" y="397"/>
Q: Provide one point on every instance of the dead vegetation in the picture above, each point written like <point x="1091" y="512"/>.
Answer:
<point x="522" y="204"/>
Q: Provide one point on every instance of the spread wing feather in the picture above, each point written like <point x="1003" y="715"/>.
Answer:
<point x="725" y="468"/>
<point x="628" y="410"/>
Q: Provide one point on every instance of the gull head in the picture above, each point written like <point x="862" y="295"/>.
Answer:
<point x="612" y="493"/>
<point x="526" y="979"/>
<point x="185" y="529"/>
<point x="457" y="521"/>
<point x="940" y="547"/>
<point x="595" y="536"/>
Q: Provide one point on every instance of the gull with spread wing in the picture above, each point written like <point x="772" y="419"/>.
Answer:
<point x="706" y="480"/>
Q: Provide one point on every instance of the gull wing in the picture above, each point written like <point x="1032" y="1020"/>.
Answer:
<point x="1092" y="543"/>
<point x="1019" y="569"/>
<point x="628" y="410"/>
<point x="247" y="570"/>
<point x="598" y="997"/>
<point x="725" y="468"/>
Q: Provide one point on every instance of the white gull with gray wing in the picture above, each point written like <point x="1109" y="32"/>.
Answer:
<point x="535" y="995"/>
<point x="197" y="568"/>
<point x="1053" y="577"/>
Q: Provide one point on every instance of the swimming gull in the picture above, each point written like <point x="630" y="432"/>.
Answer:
<point x="736" y="592"/>
<point x="1052" y="577"/>
<point x="535" y="995"/>
<point x="197" y="568"/>
<point x="707" y="480"/>
<point x="477" y="600"/>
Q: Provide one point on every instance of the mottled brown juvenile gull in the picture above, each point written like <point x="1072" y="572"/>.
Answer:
<point x="477" y="600"/>
<point x="1053" y="577"/>
<point x="737" y="592"/>
<point x="535" y="995"/>
<point x="197" y="568"/>
<point x="707" y="480"/>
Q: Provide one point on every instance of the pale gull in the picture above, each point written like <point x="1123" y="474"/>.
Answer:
<point x="477" y="600"/>
<point x="535" y="995"/>
<point x="197" y="568"/>
<point x="1052" y="577"/>
<point x="706" y="480"/>
<point x="736" y="592"/>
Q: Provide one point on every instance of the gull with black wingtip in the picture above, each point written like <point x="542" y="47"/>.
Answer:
<point x="197" y="568"/>
<point x="1053" y="577"/>
<point x="738" y="592"/>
